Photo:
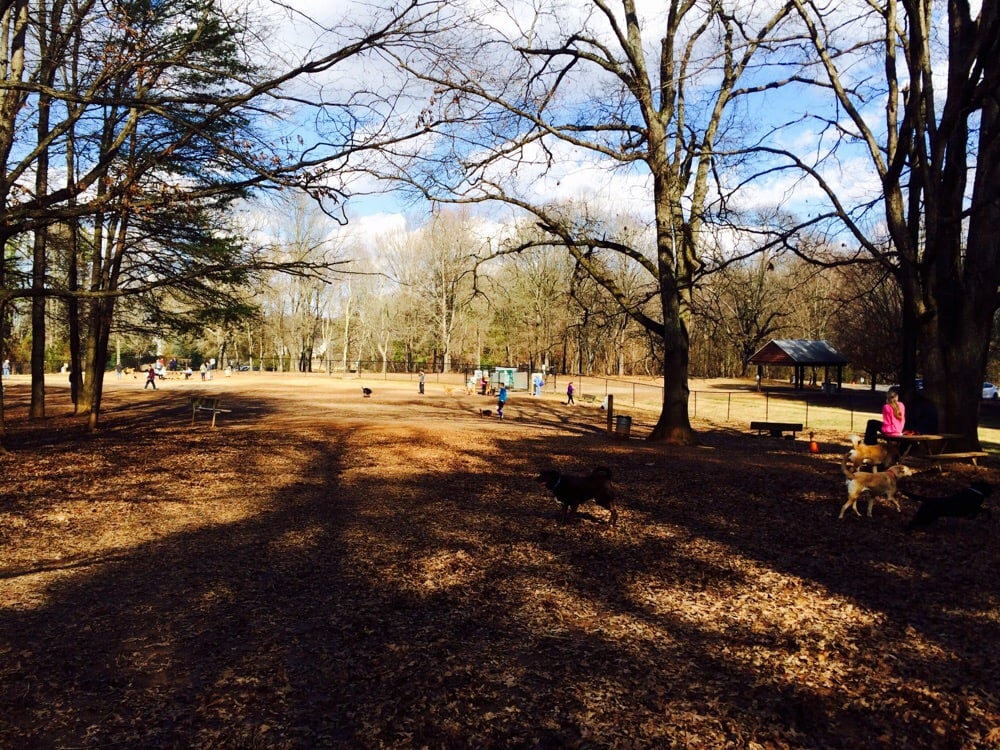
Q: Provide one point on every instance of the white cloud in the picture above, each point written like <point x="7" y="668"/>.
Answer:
<point x="577" y="174"/>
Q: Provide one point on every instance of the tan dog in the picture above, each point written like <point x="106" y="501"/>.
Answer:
<point x="876" y="455"/>
<point x="881" y="483"/>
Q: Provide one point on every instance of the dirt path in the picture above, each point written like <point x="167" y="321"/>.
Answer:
<point x="325" y="570"/>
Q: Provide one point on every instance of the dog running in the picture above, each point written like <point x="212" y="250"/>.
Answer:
<point x="872" y="455"/>
<point x="573" y="491"/>
<point x="366" y="392"/>
<point x="966" y="503"/>
<point x="881" y="484"/>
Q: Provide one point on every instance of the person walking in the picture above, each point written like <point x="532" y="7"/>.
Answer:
<point x="569" y="394"/>
<point x="421" y="381"/>
<point x="501" y="399"/>
<point x="150" y="378"/>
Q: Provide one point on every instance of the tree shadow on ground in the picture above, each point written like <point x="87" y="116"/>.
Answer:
<point x="405" y="585"/>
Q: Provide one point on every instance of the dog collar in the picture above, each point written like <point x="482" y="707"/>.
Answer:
<point x="889" y="472"/>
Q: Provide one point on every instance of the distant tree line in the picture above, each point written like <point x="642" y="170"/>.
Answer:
<point x="437" y="298"/>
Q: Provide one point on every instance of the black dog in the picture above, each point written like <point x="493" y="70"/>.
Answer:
<point x="572" y="492"/>
<point x="967" y="503"/>
<point x="366" y="392"/>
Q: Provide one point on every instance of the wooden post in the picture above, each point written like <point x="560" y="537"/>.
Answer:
<point x="611" y="413"/>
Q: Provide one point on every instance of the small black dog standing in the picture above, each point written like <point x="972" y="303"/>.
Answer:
<point x="966" y="503"/>
<point x="573" y="491"/>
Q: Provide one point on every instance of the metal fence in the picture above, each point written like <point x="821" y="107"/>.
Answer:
<point x="846" y="410"/>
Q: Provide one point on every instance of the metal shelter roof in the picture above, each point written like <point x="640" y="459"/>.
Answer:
<point x="792" y="352"/>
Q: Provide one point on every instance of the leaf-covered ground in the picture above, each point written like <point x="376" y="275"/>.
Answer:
<point x="324" y="570"/>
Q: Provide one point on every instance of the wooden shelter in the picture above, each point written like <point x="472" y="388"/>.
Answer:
<point x="800" y="354"/>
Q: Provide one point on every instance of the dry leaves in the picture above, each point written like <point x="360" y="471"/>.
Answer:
<point x="322" y="572"/>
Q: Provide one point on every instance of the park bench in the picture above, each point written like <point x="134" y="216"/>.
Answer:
<point x="971" y="456"/>
<point x="777" y="429"/>
<point x="207" y="403"/>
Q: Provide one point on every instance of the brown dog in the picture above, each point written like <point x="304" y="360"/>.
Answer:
<point x="876" y="455"/>
<point x="572" y="492"/>
<point x="882" y="483"/>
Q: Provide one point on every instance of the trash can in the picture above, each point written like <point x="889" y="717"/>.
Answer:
<point x="623" y="426"/>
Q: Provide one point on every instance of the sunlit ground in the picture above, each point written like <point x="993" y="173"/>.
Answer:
<point x="326" y="570"/>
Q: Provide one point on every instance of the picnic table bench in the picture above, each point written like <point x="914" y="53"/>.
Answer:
<point x="777" y="429"/>
<point x="932" y="447"/>
<point x="971" y="456"/>
<point x="918" y="445"/>
<point x="207" y="403"/>
<point x="923" y="444"/>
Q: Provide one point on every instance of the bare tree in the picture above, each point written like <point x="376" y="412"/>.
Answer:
<point x="529" y="294"/>
<point x="302" y="236"/>
<point x="935" y="157"/>
<point x="576" y="80"/>
<point x="868" y="319"/>
<point x="171" y="112"/>
<point x="437" y="266"/>
<point x="744" y="305"/>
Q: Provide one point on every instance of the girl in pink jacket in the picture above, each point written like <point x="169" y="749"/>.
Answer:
<point x="893" y="414"/>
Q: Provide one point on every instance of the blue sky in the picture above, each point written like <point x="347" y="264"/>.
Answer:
<point x="578" y="174"/>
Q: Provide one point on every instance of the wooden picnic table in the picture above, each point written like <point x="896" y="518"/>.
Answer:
<point x="933" y="448"/>
<point x="925" y="444"/>
<point x="211" y="404"/>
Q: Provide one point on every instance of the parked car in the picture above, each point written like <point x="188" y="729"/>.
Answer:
<point x="990" y="391"/>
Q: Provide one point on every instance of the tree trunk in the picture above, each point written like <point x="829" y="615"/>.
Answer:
<point x="37" y="410"/>
<point x="104" y="277"/>
<point x="910" y="335"/>
<point x="964" y="280"/>
<point x="959" y="340"/>
<point x="3" y="353"/>
<point x="674" y="424"/>
<point x="102" y="313"/>
<point x="73" y="317"/>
